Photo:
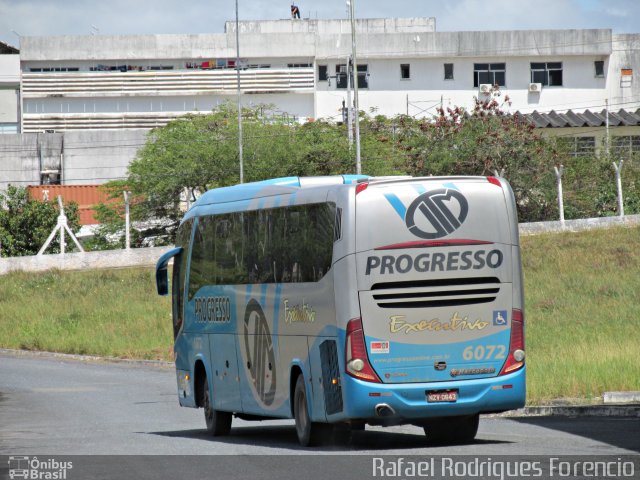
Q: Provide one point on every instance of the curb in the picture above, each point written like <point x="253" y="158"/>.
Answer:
<point x="85" y="358"/>
<point x="632" y="411"/>
<point x="621" y="397"/>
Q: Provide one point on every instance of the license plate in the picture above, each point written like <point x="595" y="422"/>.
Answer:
<point x="442" y="396"/>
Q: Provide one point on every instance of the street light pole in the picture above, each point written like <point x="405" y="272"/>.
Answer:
<point x="349" y="106"/>
<point x="351" y="4"/>
<point x="239" y="100"/>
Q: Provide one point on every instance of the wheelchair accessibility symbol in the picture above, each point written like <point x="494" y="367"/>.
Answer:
<point x="499" y="317"/>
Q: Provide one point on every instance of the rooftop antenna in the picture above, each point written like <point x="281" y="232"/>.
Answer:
<point x="17" y="35"/>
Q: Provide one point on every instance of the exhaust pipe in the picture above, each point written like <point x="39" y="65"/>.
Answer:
<point x="384" y="410"/>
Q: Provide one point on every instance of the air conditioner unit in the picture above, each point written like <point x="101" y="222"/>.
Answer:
<point x="485" y="88"/>
<point x="535" y="87"/>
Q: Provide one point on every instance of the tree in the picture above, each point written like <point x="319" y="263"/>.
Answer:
<point x="198" y="152"/>
<point x="483" y="141"/>
<point x="26" y="223"/>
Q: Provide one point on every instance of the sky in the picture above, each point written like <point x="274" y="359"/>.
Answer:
<point x="107" y="17"/>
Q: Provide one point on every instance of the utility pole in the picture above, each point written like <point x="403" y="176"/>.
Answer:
<point x="607" y="138"/>
<point x="351" y="4"/>
<point x="349" y="108"/>
<point x="127" y="221"/>
<point x="559" y="172"/>
<point x="239" y="100"/>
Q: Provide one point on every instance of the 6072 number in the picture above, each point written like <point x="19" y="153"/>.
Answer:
<point x="484" y="352"/>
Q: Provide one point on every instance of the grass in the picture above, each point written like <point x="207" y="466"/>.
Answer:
<point x="101" y="312"/>
<point x="582" y="313"/>
<point x="582" y="308"/>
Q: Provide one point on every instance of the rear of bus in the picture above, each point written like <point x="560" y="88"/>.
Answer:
<point x="440" y="332"/>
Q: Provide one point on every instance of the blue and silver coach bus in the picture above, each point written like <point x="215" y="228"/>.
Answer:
<point x="344" y="301"/>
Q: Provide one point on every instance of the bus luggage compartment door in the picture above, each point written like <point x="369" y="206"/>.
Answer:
<point x="224" y="369"/>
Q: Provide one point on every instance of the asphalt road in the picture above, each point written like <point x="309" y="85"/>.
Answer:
<point x="70" y="407"/>
<point x="123" y="421"/>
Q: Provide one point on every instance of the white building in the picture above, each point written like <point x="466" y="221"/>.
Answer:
<point x="405" y="67"/>
<point x="9" y="88"/>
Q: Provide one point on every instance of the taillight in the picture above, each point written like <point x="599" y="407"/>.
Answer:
<point x="356" y="359"/>
<point x="494" y="181"/>
<point x="361" y="187"/>
<point x="515" y="360"/>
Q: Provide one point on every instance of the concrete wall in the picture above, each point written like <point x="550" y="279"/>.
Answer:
<point x="9" y="69"/>
<point x="9" y="104"/>
<point x="137" y="257"/>
<point x="403" y="38"/>
<point x="94" y="157"/>
<point x="19" y="161"/>
<point x="623" y="91"/>
<point x="9" y="93"/>
<point x="84" y="157"/>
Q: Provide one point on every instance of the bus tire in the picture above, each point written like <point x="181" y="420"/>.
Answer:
<point x="218" y="423"/>
<point x="309" y="433"/>
<point x="452" y="429"/>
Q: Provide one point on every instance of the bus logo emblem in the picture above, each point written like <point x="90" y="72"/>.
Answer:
<point x="429" y="215"/>
<point x="258" y="348"/>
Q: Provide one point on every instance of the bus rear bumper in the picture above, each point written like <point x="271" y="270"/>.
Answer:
<point x="408" y="402"/>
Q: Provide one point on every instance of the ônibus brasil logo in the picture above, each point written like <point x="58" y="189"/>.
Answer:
<point x="433" y="214"/>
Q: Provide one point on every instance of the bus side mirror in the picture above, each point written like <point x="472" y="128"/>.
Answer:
<point x="162" y="278"/>
<point x="162" y="281"/>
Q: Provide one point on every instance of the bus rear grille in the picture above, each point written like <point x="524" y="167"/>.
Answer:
<point x="436" y="293"/>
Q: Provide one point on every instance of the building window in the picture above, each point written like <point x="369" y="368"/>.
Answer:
<point x="548" y="74"/>
<point x="341" y="76"/>
<point x="489" y="73"/>
<point x="322" y="73"/>
<point x="55" y="69"/>
<point x="405" y="71"/>
<point x="599" y="66"/>
<point x="448" y="71"/>
<point x="299" y="65"/>
<point x="626" y="146"/>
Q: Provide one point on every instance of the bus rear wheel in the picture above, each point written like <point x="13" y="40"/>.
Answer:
<point x="309" y="433"/>
<point x="218" y="423"/>
<point x="452" y="429"/>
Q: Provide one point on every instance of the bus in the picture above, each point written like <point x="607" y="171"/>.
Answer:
<point x="345" y="301"/>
